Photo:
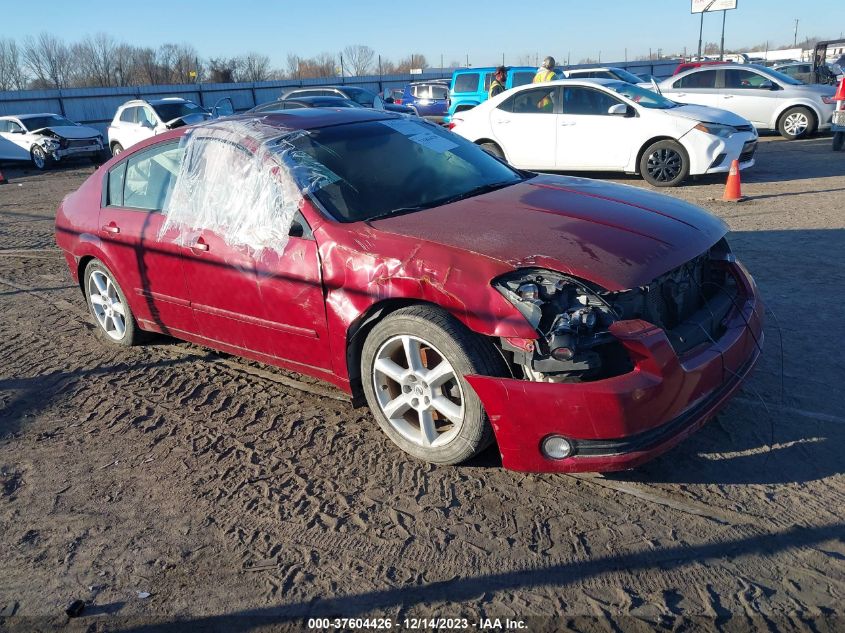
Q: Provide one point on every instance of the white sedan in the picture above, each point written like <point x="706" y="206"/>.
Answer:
<point x="47" y="138"/>
<point x="606" y="125"/>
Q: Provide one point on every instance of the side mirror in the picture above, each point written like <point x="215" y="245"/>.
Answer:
<point x="618" y="109"/>
<point x="775" y="86"/>
<point x="147" y="124"/>
<point x="296" y="229"/>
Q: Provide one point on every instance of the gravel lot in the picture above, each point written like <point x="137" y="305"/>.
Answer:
<point x="234" y="499"/>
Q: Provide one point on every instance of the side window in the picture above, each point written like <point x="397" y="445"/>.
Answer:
<point x="466" y="82"/>
<point x="580" y="100"/>
<point x="145" y="115"/>
<point x="539" y="100"/>
<point x="738" y="79"/>
<point x="14" y="126"/>
<point x="150" y="176"/>
<point x="4" y="126"/>
<point x="439" y="92"/>
<point x="293" y="105"/>
<point x="701" y="79"/>
<point x="488" y="79"/>
<point x="507" y="104"/>
<point x="128" y="115"/>
<point x="522" y="78"/>
<point x="603" y="75"/>
<point x="117" y="178"/>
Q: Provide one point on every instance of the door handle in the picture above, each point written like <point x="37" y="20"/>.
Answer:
<point x="727" y="96"/>
<point x="111" y="228"/>
<point x="566" y="123"/>
<point x="503" y="121"/>
<point x="199" y="245"/>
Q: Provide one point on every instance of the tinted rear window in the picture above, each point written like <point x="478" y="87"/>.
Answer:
<point x="467" y="82"/>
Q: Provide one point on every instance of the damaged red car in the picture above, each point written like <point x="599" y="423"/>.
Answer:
<point x="579" y="325"/>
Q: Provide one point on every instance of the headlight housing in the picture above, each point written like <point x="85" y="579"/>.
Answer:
<point x="570" y="318"/>
<point x="716" y="129"/>
<point x="50" y="144"/>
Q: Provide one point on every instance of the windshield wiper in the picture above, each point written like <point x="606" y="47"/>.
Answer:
<point x="475" y="191"/>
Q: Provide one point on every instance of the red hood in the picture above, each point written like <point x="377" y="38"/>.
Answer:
<point x="617" y="236"/>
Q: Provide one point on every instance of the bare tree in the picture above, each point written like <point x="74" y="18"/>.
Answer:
<point x="11" y="69"/>
<point x="324" y="65"/>
<point x="358" y="59"/>
<point x="94" y="60"/>
<point x="222" y="71"/>
<point x="253" y="67"/>
<point x="48" y="59"/>
<point x="414" y="60"/>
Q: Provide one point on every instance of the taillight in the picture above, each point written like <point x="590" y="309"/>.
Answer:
<point x="397" y="101"/>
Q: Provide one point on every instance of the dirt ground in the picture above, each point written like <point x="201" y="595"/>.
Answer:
<point x="171" y="487"/>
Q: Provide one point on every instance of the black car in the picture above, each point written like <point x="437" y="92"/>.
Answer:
<point x="361" y="96"/>
<point x="305" y="102"/>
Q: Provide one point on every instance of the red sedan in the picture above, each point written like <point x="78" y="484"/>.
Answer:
<point x="582" y="326"/>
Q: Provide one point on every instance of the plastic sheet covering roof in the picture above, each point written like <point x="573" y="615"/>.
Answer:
<point x="242" y="179"/>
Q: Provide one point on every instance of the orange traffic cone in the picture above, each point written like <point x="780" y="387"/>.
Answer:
<point x="733" y="188"/>
<point x="3" y="180"/>
<point x="840" y="91"/>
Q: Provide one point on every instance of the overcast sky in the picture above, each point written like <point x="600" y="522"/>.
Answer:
<point x="481" y="30"/>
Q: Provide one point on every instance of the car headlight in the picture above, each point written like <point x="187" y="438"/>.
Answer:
<point x="50" y="144"/>
<point x="716" y="129"/>
<point x="570" y="318"/>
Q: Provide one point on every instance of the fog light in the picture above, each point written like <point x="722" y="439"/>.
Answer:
<point x="556" y="447"/>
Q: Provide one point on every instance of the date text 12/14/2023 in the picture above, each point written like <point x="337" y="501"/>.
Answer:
<point x="416" y="624"/>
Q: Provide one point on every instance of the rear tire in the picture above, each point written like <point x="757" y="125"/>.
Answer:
<point x="413" y="365"/>
<point x="108" y="305"/>
<point x="664" y="164"/>
<point x="795" y="123"/>
<point x="492" y="148"/>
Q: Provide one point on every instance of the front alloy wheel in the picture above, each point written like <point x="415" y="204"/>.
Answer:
<point x="795" y="123"/>
<point x="39" y="158"/>
<point x="418" y="391"/>
<point x="413" y="364"/>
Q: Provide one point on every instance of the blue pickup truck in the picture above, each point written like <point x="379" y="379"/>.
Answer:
<point x="470" y="86"/>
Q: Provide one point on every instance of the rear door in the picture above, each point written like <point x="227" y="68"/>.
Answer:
<point x="698" y="87"/>
<point x="525" y="127"/>
<point x="147" y="264"/>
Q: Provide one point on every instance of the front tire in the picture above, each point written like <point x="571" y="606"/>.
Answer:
<point x="40" y="158"/>
<point x="664" y="164"/>
<point x="796" y="123"/>
<point x="109" y="307"/>
<point x="413" y="365"/>
<point x="116" y="148"/>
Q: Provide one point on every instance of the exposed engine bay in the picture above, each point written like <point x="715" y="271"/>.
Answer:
<point x="572" y="317"/>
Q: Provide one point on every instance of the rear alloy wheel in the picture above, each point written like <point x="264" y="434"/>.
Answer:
<point x="413" y="366"/>
<point x="796" y="123"/>
<point x="492" y="148"/>
<point x="108" y="305"/>
<point x="664" y="164"/>
<point x="39" y="158"/>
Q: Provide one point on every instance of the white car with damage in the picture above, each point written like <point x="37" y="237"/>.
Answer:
<point x="607" y="125"/>
<point x="45" y="139"/>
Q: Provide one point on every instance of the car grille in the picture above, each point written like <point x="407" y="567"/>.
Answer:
<point x="689" y="303"/>
<point x="82" y="142"/>
<point x="748" y="151"/>
<point x="744" y="128"/>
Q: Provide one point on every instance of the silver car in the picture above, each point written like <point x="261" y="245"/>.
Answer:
<point x="767" y="98"/>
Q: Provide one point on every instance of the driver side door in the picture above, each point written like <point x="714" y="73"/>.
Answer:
<point x="13" y="141"/>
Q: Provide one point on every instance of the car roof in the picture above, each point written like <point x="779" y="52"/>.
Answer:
<point x="315" y="118"/>
<point x="31" y="115"/>
<point x="490" y="69"/>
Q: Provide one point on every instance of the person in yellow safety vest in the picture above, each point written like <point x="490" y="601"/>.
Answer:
<point x="546" y="72"/>
<point x="497" y="86"/>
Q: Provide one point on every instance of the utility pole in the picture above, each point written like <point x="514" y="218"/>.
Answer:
<point x="626" y="55"/>
<point x="503" y="59"/>
<point x="795" y="38"/>
<point x="467" y="60"/>
<point x="700" y="33"/>
<point x="599" y="57"/>
<point x="722" y="50"/>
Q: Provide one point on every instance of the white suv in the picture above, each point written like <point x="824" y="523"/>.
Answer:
<point x="141" y="119"/>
